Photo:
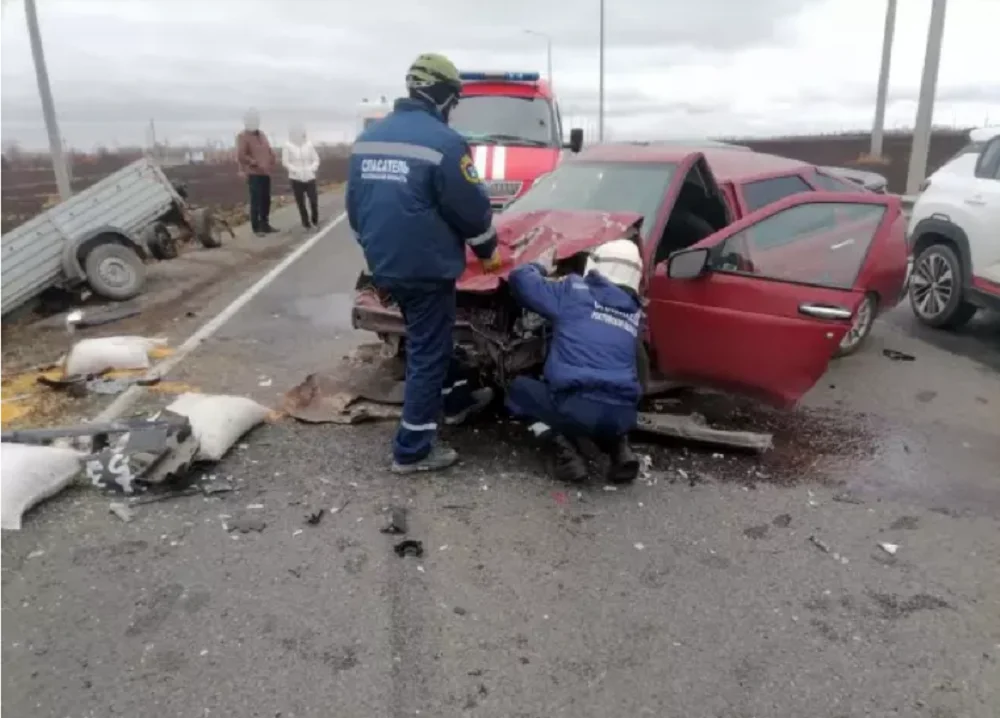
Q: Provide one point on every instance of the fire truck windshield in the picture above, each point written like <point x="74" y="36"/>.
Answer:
<point x="506" y="120"/>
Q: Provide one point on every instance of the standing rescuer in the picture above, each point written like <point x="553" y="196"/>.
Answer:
<point x="415" y="202"/>
<point x="591" y="382"/>
<point x="257" y="161"/>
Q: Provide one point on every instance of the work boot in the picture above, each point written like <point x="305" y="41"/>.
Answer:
<point x="440" y="457"/>
<point x="481" y="398"/>
<point x="624" y="466"/>
<point x="567" y="464"/>
<point x="268" y="229"/>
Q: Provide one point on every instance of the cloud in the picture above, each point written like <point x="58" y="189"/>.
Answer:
<point x="673" y="67"/>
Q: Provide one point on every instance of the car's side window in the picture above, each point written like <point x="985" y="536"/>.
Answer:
<point x="822" y="243"/>
<point x="764" y="192"/>
<point x="988" y="164"/>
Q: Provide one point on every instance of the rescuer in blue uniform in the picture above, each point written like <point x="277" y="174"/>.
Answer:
<point x="415" y="202"/>
<point x="590" y="386"/>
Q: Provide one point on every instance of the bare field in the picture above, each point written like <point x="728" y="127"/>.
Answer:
<point x="29" y="190"/>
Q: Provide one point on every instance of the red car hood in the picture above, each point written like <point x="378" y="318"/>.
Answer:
<point x="499" y="163"/>
<point x="525" y="237"/>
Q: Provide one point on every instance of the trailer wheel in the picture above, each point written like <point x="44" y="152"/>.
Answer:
<point x="162" y="244"/>
<point x="115" y="271"/>
<point x="205" y="228"/>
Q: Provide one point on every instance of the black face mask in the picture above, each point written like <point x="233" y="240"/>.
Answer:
<point x="442" y="97"/>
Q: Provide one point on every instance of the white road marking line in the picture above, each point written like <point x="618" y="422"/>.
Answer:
<point x="499" y="163"/>
<point x="479" y="159"/>
<point x="127" y="399"/>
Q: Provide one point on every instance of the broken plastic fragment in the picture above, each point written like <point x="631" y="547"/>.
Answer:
<point x="889" y="548"/>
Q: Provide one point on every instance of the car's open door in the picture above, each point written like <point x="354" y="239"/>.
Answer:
<point x="747" y="311"/>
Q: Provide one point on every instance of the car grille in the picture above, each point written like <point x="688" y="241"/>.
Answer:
<point x="502" y="189"/>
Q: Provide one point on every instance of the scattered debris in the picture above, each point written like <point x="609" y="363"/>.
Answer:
<point x="690" y="428"/>
<point x="97" y="355"/>
<point x="756" y="532"/>
<point x="37" y="553"/>
<point x="166" y="496"/>
<point x="265" y="381"/>
<point x="218" y="421"/>
<point x="560" y="497"/>
<point x="846" y="497"/>
<point x="926" y="396"/>
<point x="31" y="474"/>
<point x="908" y="523"/>
<point x="296" y="532"/>
<point x="122" y="511"/>
<point x="459" y="611"/>
<point x="889" y="548"/>
<point x="818" y="543"/>
<point x="409" y="547"/>
<point x="315" y="517"/>
<point x="215" y="485"/>
<point x="609" y="487"/>
<point x="99" y="317"/>
<point x="782" y="521"/>
<point x="397" y="522"/>
<point x="897" y="355"/>
<point x="245" y="524"/>
<point x="639" y="546"/>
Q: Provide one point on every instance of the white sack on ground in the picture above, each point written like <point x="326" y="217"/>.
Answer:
<point x="92" y="356"/>
<point x="29" y="474"/>
<point x="218" y="421"/>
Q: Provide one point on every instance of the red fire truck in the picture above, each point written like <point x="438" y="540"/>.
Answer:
<point x="513" y="125"/>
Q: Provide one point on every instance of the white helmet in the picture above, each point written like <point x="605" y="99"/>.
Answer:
<point x="619" y="262"/>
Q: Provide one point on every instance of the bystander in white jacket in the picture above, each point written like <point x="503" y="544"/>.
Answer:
<point x="299" y="156"/>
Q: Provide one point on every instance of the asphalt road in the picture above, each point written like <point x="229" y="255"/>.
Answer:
<point x="696" y="592"/>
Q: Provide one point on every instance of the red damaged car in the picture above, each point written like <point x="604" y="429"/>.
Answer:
<point x="756" y="266"/>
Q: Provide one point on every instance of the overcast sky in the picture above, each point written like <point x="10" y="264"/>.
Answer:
<point x="674" y="68"/>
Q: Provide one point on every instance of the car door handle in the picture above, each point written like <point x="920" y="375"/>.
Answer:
<point x="976" y="201"/>
<point x="824" y="311"/>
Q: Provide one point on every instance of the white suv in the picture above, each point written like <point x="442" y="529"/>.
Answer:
<point x="954" y="234"/>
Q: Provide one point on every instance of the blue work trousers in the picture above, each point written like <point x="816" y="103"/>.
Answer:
<point x="435" y="379"/>
<point x="570" y="414"/>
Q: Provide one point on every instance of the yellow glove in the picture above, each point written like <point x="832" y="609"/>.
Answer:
<point x="493" y="263"/>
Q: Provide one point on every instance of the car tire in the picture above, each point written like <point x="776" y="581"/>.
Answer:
<point x="861" y="327"/>
<point x="115" y="271"/>
<point x="936" y="288"/>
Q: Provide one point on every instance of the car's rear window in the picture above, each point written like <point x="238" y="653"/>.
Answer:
<point x="601" y="186"/>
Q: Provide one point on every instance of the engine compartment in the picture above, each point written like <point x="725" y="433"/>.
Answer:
<point x="498" y="338"/>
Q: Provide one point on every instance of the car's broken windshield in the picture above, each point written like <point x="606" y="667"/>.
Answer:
<point x="604" y="187"/>
<point x="528" y="119"/>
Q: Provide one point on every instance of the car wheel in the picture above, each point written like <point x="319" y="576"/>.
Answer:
<point x="936" y="289"/>
<point x="115" y="271"/>
<point x="861" y="327"/>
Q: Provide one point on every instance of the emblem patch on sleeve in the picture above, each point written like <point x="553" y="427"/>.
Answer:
<point x="468" y="168"/>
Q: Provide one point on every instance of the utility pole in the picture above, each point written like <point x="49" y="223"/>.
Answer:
<point x="925" y="107"/>
<point x="48" y="107"/>
<point x="600" y="87"/>
<point x="883" y="79"/>
<point x="548" y="53"/>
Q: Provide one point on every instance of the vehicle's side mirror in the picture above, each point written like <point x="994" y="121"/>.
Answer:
<point x="575" y="140"/>
<point x="687" y="264"/>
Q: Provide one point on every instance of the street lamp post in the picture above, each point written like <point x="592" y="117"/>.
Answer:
<point x="882" y="95"/>
<point x="600" y="86"/>
<point x="48" y="107"/>
<point x="925" y="105"/>
<point x="548" y="53"/>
